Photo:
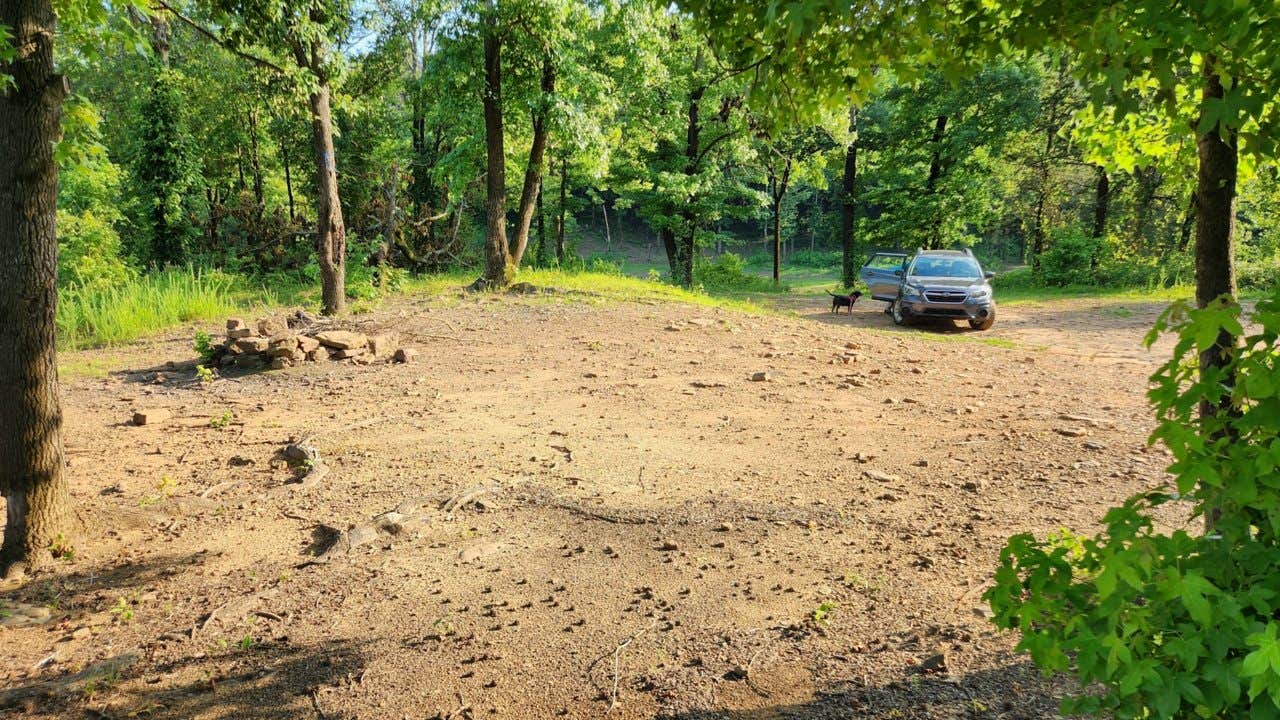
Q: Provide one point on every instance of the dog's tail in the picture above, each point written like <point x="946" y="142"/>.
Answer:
<point x="835" y="295"/>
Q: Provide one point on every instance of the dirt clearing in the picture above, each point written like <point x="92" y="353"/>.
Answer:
<point x="650" y="532"/>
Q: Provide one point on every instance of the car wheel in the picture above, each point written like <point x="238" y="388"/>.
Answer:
<point x="901" y="316"/>
<point x="986" y="322"/>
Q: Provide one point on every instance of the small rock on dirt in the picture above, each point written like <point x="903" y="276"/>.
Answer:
<point x="669" y="546"/>
<point x="1071" y="431"/>
<point x="880" y="476"/>
<point x="759" y="376"/>
<point x="478" y="551"/>
<point x="235" y="324"/>
<point x="405" y="355"/>
<point x="936" y="663"/>
<point x="151" y="416"/>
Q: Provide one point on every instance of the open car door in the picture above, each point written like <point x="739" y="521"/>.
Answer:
<point x="882" y="273"/>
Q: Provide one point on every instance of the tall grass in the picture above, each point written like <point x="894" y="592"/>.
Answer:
<point x="147" y="304"/>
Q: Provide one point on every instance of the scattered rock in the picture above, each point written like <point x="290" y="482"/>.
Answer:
<point x="1094" y="445"/>
<point x="383" y="344"/>
<point x="725" y="527"/>
<point x="14" y="614"/>
<point x="759" y="376"/>
<point x="405" y="355"/>
<point x="272" y="326"/>
<point x="880" y="476"/>
<point x="1071" y="431"/>
<point x="935" y="664"/>
<point x="234" y="324"/>
<point x="669" y="546"/>
<point x="280" y="362"/>
<point x="151" y="416"/>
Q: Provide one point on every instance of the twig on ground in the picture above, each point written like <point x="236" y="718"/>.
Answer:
<point x="315" y="703"/>
<point x="465" y="498"/>
<point x="617" y="652"/>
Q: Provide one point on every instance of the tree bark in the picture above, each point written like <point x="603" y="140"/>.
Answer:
<point x="31" y="457"/>
<point x="681" y="259"/>
<point x="533" y="170"/>
<point x="331" y="232"/>
<point x="1188" y="223"/>
<point x="935" y="174"/>
<point x="564" y="183"/>
<point x="498" y="261"/>
<point x="848" y="206"/>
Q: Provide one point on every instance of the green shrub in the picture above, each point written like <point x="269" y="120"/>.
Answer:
<point x="1173" y="625"/>
<point x="1070" y="258"/>
<point x="1259" y="275"/>
<point x="606" y="264"/>
<point x="729" y="272"/>
<point x="89" y="252"/>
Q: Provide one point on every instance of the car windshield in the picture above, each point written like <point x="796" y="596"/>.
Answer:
<point x="950" y="267"/>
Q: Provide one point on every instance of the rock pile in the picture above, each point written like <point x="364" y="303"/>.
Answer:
<point x="280" y="343"/>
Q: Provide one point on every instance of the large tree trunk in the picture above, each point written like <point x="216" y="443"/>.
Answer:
<point x="498" y="262"/>
<point x="1215" y="242"/>
<point x="533" y="171"/>
<point x="31" y="463"/>
<point x="331" y="233"/>
<point x="935" y="175"/>
<point x="1215" y="212"/>
<point x="848" y="206"/>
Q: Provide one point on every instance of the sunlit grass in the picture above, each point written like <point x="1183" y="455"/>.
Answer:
<point x="150" y="303"/>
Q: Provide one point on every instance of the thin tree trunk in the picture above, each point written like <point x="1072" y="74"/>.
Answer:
<point x="540" y="254"/>
<point x="388" y="225"/>
<point x="1188" y="223"/>
<point x="1101" y="203"/>
<point x="31" y="458"/>
<point x="533" y="170"/>
<point x="288" y="180"/>
<point x="935" y="174"/>
<point x="498" y="261"/>
<point x="779" y="191"/>
<point x="255" y="162"/>
<point x="331" y="232"/>
<point x="564" y="183"/>
<point x="604" y="209"/>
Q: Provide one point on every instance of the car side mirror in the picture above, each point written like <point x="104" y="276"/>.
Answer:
<point x="898" y="273"/>
<point x="988" y="275"/>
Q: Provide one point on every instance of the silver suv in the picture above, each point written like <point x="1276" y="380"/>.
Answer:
<point x="933" y="283"/>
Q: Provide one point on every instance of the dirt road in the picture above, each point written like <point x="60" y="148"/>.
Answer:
<point x="664" y="535"/>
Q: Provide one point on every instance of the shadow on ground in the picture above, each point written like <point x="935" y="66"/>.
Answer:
<point x="269" y="681"/>
<point x="1012" y="692"/>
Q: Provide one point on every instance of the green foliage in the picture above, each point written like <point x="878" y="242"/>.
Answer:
<point x="820" y="259"/>
<point x="166" y="173"/>
<point x="89" y="188"/>
<point x="1174" y="625"/>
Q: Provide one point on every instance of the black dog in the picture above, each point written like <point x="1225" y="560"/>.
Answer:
<point x="839" y="301"/>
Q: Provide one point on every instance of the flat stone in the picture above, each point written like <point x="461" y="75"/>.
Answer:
<point x="288" y="340"/>
<point x="308" y="344"/>
<point x="235" y="324"/>
<point x="280" y="362"/>
<point x="760" y="376"/>
<point x="349" y="353"/>
<point x="240" y="333"/>
<point x="342" y="339"/>
<point x="151" y="416"/>
<point x="253" y="344"/>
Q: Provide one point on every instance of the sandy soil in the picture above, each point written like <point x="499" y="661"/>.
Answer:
<point x="665" y="536"/>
